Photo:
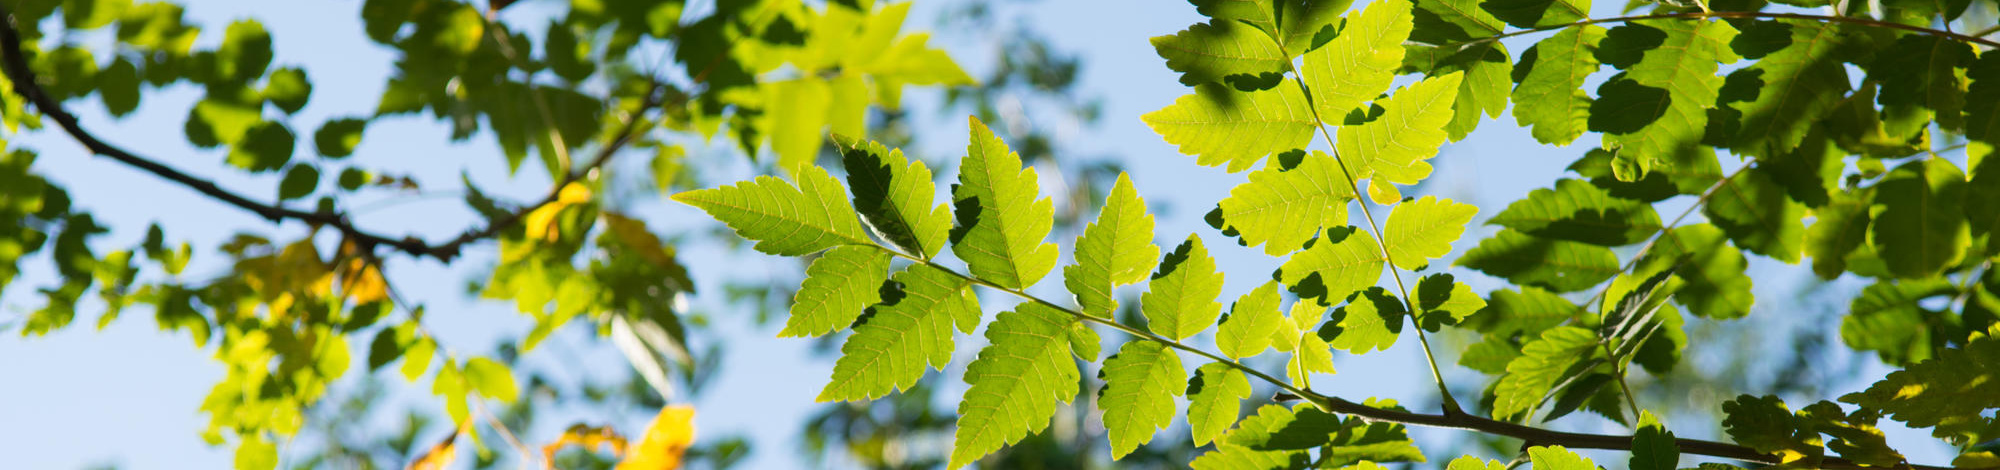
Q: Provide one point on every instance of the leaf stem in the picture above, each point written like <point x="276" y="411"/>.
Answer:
<point x="1450" y="404"/>
<point x="1972" y="38"/>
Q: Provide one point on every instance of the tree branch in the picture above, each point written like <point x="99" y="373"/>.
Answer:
<point x="1972" y="39"/>
<point x="28" y="86"/>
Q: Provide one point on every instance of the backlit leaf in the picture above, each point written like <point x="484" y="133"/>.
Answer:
<point x="1360" y="63"/>
<point x="1002" y="218"/>
<point x="1115" y="250"/>
<point x="894" y="195"/>
<point x="901" y="336"/>
<point x="1281" y="209"/>
<point x="1424" y="229"/>
<point x="1214" y="395"/>
<point x="1180" y="300"/>
<point x="784" y="219"/>
<point x="1016" y="382"/>
<point x="839" y="285"/>
<point x="1221" y="125"/>
<point x="1140" y="383"/>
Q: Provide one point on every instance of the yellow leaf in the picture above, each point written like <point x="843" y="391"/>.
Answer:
<point x="633" y="234"/>
<point x="665" y="441"/>
<point x="574" y="193"/>
<point x="589" y="437"/>
<point x="439" y="456"/>
<point x="362" y="281"/>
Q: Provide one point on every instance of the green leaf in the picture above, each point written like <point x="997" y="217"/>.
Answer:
<point x="1247" y="330"/>
<point x="1653" y="446"/>
<point x="1410" y="130"/>
<point x="784" y="219"/>
<point x="1281" y="209"/>
<point x="1765" y="424"/>
<point x="1922" y="71"/>
<point x="491" y="379"/>
<point x="1366" y="442"/>
<point x="1558" y="458"/>
<point x="1839" y="227"/>
<point x="1310" y="352"/>
<point x="1453" y="21"/>
<point x="245" y="51"/>
<point x="1653" y="187"/>
<point x="1180" y="300"/>
<point x="1140" y="383"/>
<point x="118" y="87"/>
<point x="1442" y="300"/>
<point x="1001" y="221"/>
<point x="1855" y="436"/>
<point x="1276" y="427"/>
<point x="1343" y="261"/>
<point x="1578" y="211"/>
<point x="1483" y="92"/>
<point x="1424" y="229"/>
<point x="1303" y="24"/>
<point x="1537" y="13"/>
<point x="386" y="347"/>
<point x="1982" y="99"/>
<point x="1713" y="277"/>
<point x="1550" y="97"/>
<point x="1473" y="463"/>
<point x="338" y="138"/>
<point x="92" y="14"/>
<point x="1489" y="356"/>
<point x="288" y="89"/>
<point x="417" y="359"/>
<point x="1556" y="265"/>
<point x="1757" y="214"/>
<point x="1221" y="51"/>
<point x="1982" y="202"/>
<point x="299" y="181"/>
<point x="1801" y="84"/>
<point x="1219" y="125"/>
<point x="1919" y="224"/>
<point x="1889" y="319"/>
<point x="255" y="453"/>
<point x="796" y="132"/>
<point x="265" y="147"/>
<point x="1957" y="383"/>
<point x="1214" y="395"/>
<point x="908" y="331"/>
<point x="1016" y="381"/>
<point x="1369" y="321"/>
<point x="839" y="286"/>
<point x="894" y="196"/>
<point x="1117" y="249"/>
<point x="1543" y="363"/>
<point x="1360" y="63"/>
<point x="1674" y="84"/>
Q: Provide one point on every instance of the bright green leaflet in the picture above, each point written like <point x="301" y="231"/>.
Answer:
<point x="1558" y="458"/>
<point x="1214" y="395"/>
<point x="909" y="331"/>
<point x="1310" y="352"/>
<point x="894" y="195"/>
<point x="1019" y="377"/>
<point x="1541" y="365"/>
<point x="1140" y="383"/>
<point x="1919" y="222"/>
<point x="1249" y="446"/>
<point x="1369" y="321"/>
<point x="784" y="220"/>
<point x="1360" y="63"/>
<point x="1247" y="330"/>
<point x="839" y="285"/>
<point x="1424" y="229"/>
<point x="1759" y="216"/>
<point x="1653" y="446"/>
<point x="1473" y="463"/>
<point x="1281" y="209"/>
<point x="1002" y="219"/>
<point x="1483" y="92"/>
<point x="1675" y="82"/>
<point x="1443" y="300"/>
<point x="1395" y="145"/>
<point x="491" y="379"/>
<point x="1180" y="301"/>
<point x="1115" y="250"/>
<point x="1221" y="125"/>
<point x="1364" y="442"/>
<point x="795" y="133"/>
<point x="1214" y="51"/>
<point x="1341" y="262"/>
<point x="1550" y="97"/>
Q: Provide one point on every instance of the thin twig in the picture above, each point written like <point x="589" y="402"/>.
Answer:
<point x="1973" y="38"/>
<point x="26" y="84"/>
<point x="527" y="454"/>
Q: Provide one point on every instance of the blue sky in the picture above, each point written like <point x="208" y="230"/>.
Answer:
<point x="129" y="394"/>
